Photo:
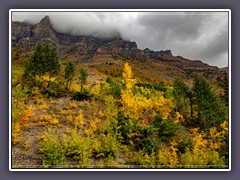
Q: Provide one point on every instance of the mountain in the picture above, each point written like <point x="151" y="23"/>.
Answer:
<point x="80" y="48"/>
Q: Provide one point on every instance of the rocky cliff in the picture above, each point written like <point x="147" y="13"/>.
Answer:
<point x="80" y="47"/>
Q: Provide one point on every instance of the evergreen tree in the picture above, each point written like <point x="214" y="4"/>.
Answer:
<point x="225" y="88"/>
<point x="181" y="96"/>
<point x="209" y="111"/>
<point x="223" y="83"/>
<point x="52" y="61"/>
<point x="54" y="65"/>
<point x="83" y="78"/>
<point x="69" y="73"/>
<point x="39" y="60"/>
<point x="35" y="65"/>
<point x="44" y="60"/>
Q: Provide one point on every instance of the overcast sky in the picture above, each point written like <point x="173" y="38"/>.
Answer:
<point x="193" y="35"/>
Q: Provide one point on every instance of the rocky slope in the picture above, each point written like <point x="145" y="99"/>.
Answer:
<point x="86" y="47"/>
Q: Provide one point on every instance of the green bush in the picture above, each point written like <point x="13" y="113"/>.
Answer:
<point x="78" y="148"/>
<point x="51" y="148"/>
<point x="142" y="159"/>
<point x="183" y="145"/>
<point x="158" y="87"/>
<point x="146" y="145"/>
<point x="106" y="146"/>
<point x="167" y="129"/>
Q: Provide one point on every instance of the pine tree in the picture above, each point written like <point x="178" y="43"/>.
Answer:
<point x="83" y="78"/>
<point x="35" y="65"/>
<point x="181" y="96"/>
<point x="55" y="65"/>
<point x="225" y="87"/>
<point x="209" y="111"/>
<point x="69" y="73"/>
<point x="39" y="60"/>
<point x="223" y="83"/>
<point x="52" y="61"/>
<point x="44" y="60"/>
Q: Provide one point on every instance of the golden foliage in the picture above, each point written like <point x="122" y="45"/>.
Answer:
<point x="217" y="139"/>
<point x="92" y="127"/>
<point x="128" y="76"/>
<point x="168" y="155"/>
<point x="69" y="119"/>
<point x="96" y="90"/>
<point x="28" y="113"/>
<point x="179" y="118"/>
<point x="16" y="132"/>
<point x="135" y="104"/>
<point x="79" y="120"/>
<point x="202" y="154"/>
<point x="47" y="119"/>
<point x="73" y="104"/>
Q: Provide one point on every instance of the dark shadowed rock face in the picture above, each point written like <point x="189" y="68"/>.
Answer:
<point x="26" y="36"/>
<point x="44" y="30"/>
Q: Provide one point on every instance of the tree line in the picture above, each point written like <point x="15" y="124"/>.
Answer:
<point x="45" y="62"/>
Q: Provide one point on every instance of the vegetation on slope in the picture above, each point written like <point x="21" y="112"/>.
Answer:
<point x="63" y="119"/>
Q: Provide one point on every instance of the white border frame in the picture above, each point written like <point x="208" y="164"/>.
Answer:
<point x="115" y="10"/>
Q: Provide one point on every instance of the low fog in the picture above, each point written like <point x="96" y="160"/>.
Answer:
<point x="194" y="35"/>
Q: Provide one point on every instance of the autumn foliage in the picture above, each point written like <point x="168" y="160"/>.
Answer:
<point x="123" y="122"/>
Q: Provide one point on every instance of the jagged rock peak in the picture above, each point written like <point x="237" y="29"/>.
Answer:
<point x="168" y="52"/>
<point x="46" y="20"/>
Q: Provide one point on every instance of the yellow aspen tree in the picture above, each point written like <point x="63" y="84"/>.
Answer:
<point x="128" y="101"/>
<point x="128" y="76"/>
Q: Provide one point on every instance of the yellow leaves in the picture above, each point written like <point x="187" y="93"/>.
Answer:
<point x="134" y="105"/>
<point x="217" y="138"/>
<point x="26" y="144"/>
<point x="163" y="106"/>
<point x="43" y="107"/>
<point x="16" y="132"/>
<point x="213" y="132"/>
<point x="81" y="104"/>
<point x="73" y="104"/>
<point x="79" y="120"/>
<point x="68" y="131"/>
<point x="168" y="155"/>
<point x="95" y="90"/>
<point x="198" y="138"/>
<point x="47" y="119"/>
<point x="75" y="87"/>
<point x="37" y="95"/>
<point x="101" y="114"/>
<point x="28" y="112"/>
<point x="47" y="78"/>
<point x="63" y="112"/>
<point x="179" y="118"/>
<point x="224" y="126"/>
<point x="92" y="127"/>
<point x="55" y="121"/>
<point x="205" y="150"/>
<point x="69" y="119"/>
<point x="128" y="76"/>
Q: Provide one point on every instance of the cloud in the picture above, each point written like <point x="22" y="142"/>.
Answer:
<point x="194" y="35"/>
